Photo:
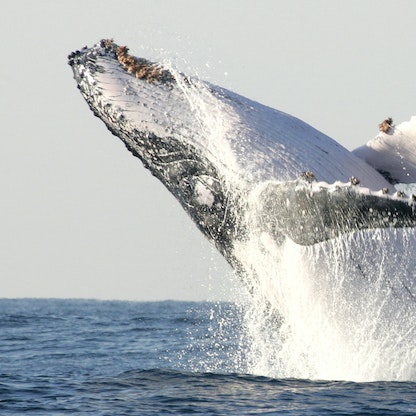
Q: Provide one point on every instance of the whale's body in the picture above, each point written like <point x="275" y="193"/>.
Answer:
<point x="316" y="230"/>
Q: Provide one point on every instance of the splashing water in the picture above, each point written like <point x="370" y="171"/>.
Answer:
<point x="342" y="309"/>
<point x="215" y="123"/>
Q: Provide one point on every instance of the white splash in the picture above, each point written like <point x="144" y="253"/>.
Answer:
<point x="341" y="310"/>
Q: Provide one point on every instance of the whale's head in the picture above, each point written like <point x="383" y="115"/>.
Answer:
<point x="214" y="150"/>
<point x="153" y="110"/>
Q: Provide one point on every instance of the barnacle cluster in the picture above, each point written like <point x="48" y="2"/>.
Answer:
<point x="354" y="180"/>
<point x="141" y="68"/>
<point x="386" y="125"/>
<point x="308" y="176"/>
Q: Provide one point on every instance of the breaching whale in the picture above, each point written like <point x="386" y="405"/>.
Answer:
<point x="224" y="156"/>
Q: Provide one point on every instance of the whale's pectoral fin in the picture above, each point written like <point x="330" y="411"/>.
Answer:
<point x="309" y="213"/>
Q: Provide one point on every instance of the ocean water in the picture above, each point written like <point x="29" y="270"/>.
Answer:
<point x="86" y="357"/>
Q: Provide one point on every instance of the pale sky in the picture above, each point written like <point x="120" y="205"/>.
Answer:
<point x="80" y="216"/>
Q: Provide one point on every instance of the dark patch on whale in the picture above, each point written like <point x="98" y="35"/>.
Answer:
<point x="309" y="214"/>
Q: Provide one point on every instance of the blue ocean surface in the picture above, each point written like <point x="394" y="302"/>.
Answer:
<point x="86" y="357"/>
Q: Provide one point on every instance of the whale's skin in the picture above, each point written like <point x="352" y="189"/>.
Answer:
<point x="214" y="150"/>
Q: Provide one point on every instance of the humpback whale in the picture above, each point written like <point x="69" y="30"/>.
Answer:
<point x="224" y="156"/>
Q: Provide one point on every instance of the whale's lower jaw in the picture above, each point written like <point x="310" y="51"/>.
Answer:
<point x="147" y="108"/>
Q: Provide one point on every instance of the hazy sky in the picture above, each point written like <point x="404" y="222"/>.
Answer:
<point x="80" y="216"/>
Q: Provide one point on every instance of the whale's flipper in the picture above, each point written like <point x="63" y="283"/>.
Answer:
<point x="309" y="213"/>
<point x="213" y="150"/>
